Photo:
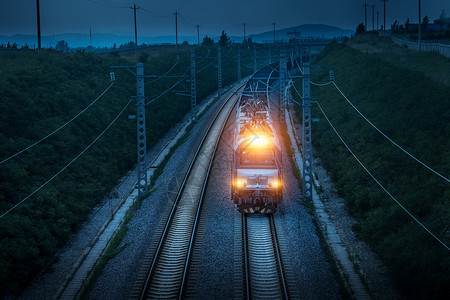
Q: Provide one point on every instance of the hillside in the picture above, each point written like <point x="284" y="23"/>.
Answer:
<point x="413" y="109"/>
<point x="307" y="30"/>
<point x="41" y="93"/>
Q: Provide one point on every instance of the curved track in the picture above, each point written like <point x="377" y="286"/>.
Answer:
<point x="166" y="274"/>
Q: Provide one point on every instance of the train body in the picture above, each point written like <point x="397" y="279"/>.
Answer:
<point x="256" y="169"/>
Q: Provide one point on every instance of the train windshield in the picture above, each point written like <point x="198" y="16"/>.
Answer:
<point x="257" y="157"/>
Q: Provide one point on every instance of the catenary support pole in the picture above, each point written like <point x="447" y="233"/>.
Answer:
<point x="193" y="89"/>
<point x="254" y="59"/>
<point x="239" y="64"/>
<point x="219" y="72"/>
<point x="141" y="133"/>
<point x="306" y="136"/>
<point x="282" y="82"/>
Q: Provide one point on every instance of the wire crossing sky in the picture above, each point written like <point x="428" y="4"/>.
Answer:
<point x="156" y="18"/>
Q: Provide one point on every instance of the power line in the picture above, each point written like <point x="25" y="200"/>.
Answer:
<point x="389" y="139"/>
<point x="300" y="69"/>
<point x="212" y="61"/>
<point x="109" y="3"/>
<point x="376" y="180"/>
<point x="168" y="90"/>
<point x="162" y="76"/>
<point x="58" y="129"/>
<point x="154" y="14"/>
<point x="66" y="166"/>
<point x="297" y="91"/>
<point x="322" y="84"/>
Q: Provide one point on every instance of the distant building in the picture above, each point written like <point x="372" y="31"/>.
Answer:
<point x="294" y="36"/>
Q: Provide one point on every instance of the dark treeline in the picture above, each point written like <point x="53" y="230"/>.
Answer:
<point x="414" y="111"/>
<point x="39" y="94"/>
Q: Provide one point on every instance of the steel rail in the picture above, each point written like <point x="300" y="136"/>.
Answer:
<point x="262" y="257"/>
<point x="145" y="289"/>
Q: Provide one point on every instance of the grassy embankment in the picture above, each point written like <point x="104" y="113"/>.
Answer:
<point x="39" y="94"/>
<point x="402" y="92"/>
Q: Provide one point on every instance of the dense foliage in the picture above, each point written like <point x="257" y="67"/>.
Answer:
<point x="414" y="110"/>
<point x="39" y="94"/>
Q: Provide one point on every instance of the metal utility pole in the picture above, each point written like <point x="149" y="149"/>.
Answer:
<point x="244" y="31"/>
<point x="254" y="59"/>
<point x="141" y="136"/>
<point x="384" y="17"/>
<point x="219" y="72"/>
<point x="306" y="136"/>
<point x="38" y="26"/>
<point x="176" y="13"/>
<point x="273" y="32"/>
<point x="378" y="13"/>
<point x="90" y="36"/>
<point x="239" y="63"/>
<point x="365" y="15"/>
<point x="420" y="29"/>
<point x="373" y="17"/>
<point x="198" y="34"/>
<point x="135" y="29"/>
<point x="193" y="90"/>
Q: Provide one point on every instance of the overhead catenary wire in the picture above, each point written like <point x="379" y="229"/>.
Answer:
<point x="66" y="166"/>
<point x="281" y="94"/>
<point x="388" y="138"/>
<point x="212" y="61"/>
<point x="376" y="180"/>
<point x="59" y="128"/>
<point x="168" y="71"/>
<point x="298" y="65"/>
<point x="297" y="91"/>
<point x="321" y="84"/>
<point x="166" y="91"/>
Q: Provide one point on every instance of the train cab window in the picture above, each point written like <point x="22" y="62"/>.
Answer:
<point x="262" y="157"/>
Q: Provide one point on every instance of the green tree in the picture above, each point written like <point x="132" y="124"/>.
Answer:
<point x="207" y="41"/>
<point x="360" y="29"/>
<point x="224" y="40"/>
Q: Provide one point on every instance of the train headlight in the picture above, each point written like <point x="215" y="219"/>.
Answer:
<point x="275" y="184"/>
<point x="260" y="141"/>
<point x="240" y="184"/>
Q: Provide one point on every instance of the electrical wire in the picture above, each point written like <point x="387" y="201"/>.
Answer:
<point x="154" y="80"/>
<point x="206" y="66"/>
<point x="300" y="69"/>
<point x="376" y="180"/>
<point x="59" y="128"/>
<point x="66" y="166"/>
<point x="281" y="94"/>
<point x="321" y="84"/>
<point x="154" y="14"/>
<point x="168" y="90"/>
<point x="389" y="139"/>
<point x="297" y="91"/>
<point x="109" y="3"/>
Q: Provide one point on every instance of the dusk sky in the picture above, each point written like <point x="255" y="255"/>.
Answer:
<point x="156" y="17"/>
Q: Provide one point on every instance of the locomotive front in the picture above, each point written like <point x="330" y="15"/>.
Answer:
<point x="256" y="174"/>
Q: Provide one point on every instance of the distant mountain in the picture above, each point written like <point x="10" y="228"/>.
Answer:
<point x="306" y="30"/>
<point x="75" y="40"/>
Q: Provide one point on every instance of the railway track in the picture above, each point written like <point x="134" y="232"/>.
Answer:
<point x="263" y="270"/>
<point x="164" y="275"/>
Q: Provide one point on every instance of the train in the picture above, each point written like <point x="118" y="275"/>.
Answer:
<point x="256" y="175"/>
